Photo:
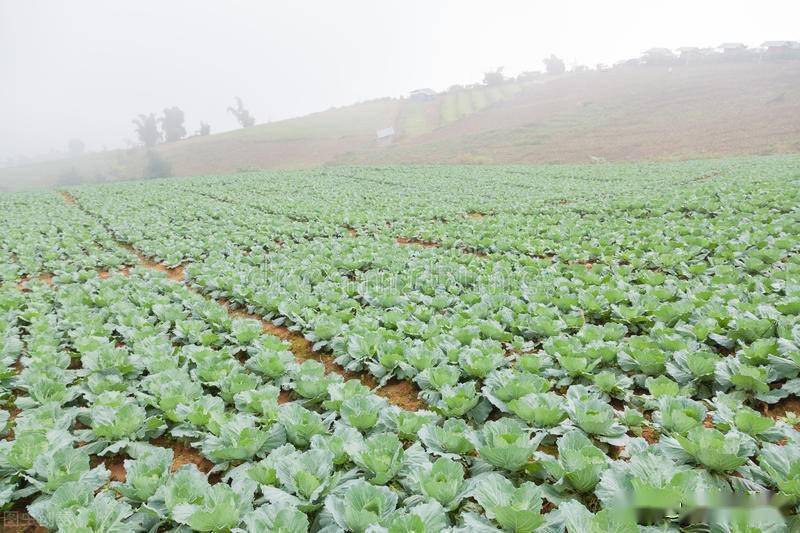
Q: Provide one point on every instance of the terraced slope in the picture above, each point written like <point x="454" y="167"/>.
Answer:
<point x="646" y="113"/>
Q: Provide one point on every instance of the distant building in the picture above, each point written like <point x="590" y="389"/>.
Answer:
<point x="658" y="56"/>
<point x="422" y="94"/>
<point x="384" y="136"/>
<point x="781" y="49"/>
<point x="732" y="48"/>
<point x="688" y="53"/>
<point x="693" y="54"/>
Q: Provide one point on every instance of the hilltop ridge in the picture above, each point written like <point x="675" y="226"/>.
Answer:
<point x="624" y="113"/>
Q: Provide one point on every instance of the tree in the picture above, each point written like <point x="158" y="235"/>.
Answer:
<point x="554" y="65"/>
<point x="494" y="78"/>
<point x="156" y="166"/>
<point x="204" y="130"/>
<point x="172" y="124"/>
<point x="242" y="115"/>
<point x="75" y="147"/>
<point x="147" y="130"/>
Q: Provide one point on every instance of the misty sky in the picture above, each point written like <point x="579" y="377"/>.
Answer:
<point x="85" y="68"/>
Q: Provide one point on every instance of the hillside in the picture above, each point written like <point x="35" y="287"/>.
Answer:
<point x="627" y="113"/>
<point x="636" y="113"/>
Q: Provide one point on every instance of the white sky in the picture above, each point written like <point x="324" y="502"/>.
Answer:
<point x="85" y="68"/>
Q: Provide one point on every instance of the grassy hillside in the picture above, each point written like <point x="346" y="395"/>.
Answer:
<point x="625" y="114"/>
<point x="628" y="113"/>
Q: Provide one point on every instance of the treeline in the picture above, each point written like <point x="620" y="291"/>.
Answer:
<point x="685" y="55"/>
<point x="169" y="127"/>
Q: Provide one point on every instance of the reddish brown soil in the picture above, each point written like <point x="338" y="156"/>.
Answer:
<point x="184" y="455"/>
<point x="301" y="347"/>
<point x="779" y="410"/>
<point x="13" y="411"/>
<point x="174" y="274"/>
<point x="68" y="197"/>
<point x="424" y="244"/>
<point x="400" y="393"/>
<point x="549" y="449"/>
<point x="19" y="521"/>
<point x="403" y="394"/>
<point x="114" y="464"/>
<point x="105" y="274"/>
<point x="615" y="451"/>
<point x="284" y="396"/>
<point x="585" y="262"/>
<point x="45" y="278"/>
<point x="650" y="435"/>
<point x="548" y="506"/>
<point x="476" y="253"/>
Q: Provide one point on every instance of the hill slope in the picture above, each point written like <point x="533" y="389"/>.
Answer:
<point x="630" y="113"/>
<point x="641" y="113"/>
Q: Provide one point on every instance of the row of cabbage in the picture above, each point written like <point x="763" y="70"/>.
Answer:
<point x="155" y="360"/>
<point x="41" y="233"/>
<point x="173" y="227"/>
<point x="398" y="311"/>
<point x="110" y="366"/>
<point x="748" y="223"/>
<point x="176" y="221"/>
<point x="586" y="386"/>
<point x="183" y="220"/>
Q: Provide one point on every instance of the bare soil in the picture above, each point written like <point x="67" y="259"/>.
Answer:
<point x="19" y="521"/>
<point x="403" y="394"/>
<point x="424" y="244"/>
<point x="650" y="435"/>
<point x="45" y="278"/>
<point x="779" y="410"/>
<point x="114" y="464"/>
<point x="184" y="455"/>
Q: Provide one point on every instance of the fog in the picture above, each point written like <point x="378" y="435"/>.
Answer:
<point x="85" y="69"/>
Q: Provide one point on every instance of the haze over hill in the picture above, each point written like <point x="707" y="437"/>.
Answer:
<point x="624" y="113"/>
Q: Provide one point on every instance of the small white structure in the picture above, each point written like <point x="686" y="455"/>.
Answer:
<point x="422" y="94"/>
<point x="384" y="136"/>
<point x="658" y="56"/>
<point x="733" y="48"/>
<point x="781" y="49"/>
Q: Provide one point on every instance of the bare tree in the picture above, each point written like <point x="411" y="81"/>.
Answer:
<point x="172" y="124"/>
<point x="147" y="129"/>
<point x="554" y="65"/>
<point x="242" y="115"/>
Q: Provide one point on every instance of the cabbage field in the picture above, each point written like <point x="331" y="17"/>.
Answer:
<point x="598" y="348"/>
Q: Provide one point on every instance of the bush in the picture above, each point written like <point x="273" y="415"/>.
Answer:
<point x="157" y="166"/>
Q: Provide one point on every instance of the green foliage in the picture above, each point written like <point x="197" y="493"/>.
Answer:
<point x="546" y="349"/>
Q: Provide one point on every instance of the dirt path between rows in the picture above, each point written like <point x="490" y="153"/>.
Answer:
<point x="403" y="394"/>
